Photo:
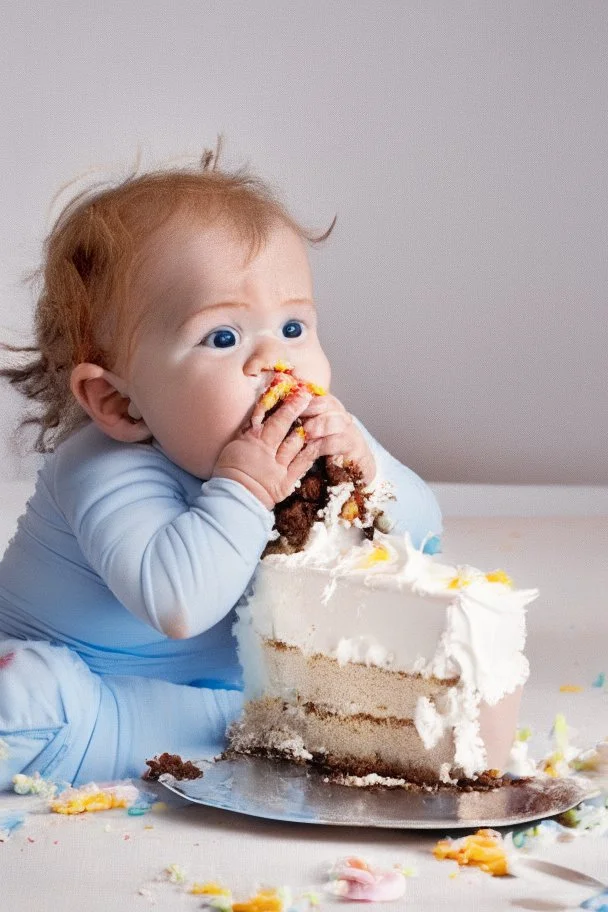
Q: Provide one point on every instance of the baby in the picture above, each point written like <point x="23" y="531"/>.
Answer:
<point x="165" y="302"/>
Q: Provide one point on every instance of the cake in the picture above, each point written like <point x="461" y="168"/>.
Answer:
<point x="371" y="659"/>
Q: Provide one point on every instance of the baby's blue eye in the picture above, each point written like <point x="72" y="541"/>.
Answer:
<point x="292" y="329"/>
<point x="221" y="338"/>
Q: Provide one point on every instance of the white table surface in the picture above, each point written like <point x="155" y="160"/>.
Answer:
<point x="111" y="861"/>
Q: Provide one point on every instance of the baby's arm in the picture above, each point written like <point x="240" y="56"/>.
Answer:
<point x="179" y="561"/>
<point x="415" y="509"/>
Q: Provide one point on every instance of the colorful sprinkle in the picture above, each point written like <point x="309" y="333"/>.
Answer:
<point x="377" y="555"/>
<point x="600" y="681"/>
<point x="210" y="888"/>
<point x="571" y="689"/>
<point x="459" y="581"/>
<point x="499" y="576"/>
<point x="175" y="873"/>
<point x="6" y="660"/>
<point x="354" y="879"/>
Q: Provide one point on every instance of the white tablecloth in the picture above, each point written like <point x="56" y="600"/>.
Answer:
<point x="112" y="861"/>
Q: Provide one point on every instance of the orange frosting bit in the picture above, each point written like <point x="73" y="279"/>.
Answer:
<point x="210" y="888"/>
<point x="484" y="849"/>
<point x="264" y="901"/>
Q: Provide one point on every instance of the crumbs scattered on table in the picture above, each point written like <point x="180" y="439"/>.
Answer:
<point x="92" y="797"/>
<point x="209" y="888"/>
<point x="354" y="878"/>
<point x="34" y="785"/>
<point x="484" y="849"/>
<point x="218" y="897"/>
<point x="175" y="873"/>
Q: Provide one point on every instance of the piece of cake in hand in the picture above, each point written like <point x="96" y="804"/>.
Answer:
<point x="370" y="658"/>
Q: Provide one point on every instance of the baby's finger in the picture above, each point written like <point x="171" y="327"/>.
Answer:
<point x="321" y="404"/>
<point x="257" y="417"/>
<point x="301" y="463"/>
<point x="277" y="426"/>
<point x="326" y="424"/>
<point x="291" y="446"/>
<point x="342" y="445"/>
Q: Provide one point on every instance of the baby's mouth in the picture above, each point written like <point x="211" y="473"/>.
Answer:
<point x="268" y="374"/>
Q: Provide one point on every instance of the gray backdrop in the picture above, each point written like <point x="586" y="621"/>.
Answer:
<point x="463" y="147"/>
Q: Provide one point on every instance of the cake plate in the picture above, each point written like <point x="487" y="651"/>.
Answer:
<point x="278" y="790"/>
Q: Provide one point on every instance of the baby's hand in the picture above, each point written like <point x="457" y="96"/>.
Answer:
<point x="327" y="422"/>
<point x="270" y="459"/>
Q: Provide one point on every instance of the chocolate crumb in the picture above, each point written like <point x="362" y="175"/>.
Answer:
<point x="173" y="764"/>
<point x="295" y="516"/>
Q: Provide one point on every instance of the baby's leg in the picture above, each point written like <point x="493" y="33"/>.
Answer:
<point x="63" y="721"/>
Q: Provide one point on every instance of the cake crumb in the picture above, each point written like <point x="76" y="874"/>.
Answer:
<point x="172" y="764"/>
<point x="484" y="849"/>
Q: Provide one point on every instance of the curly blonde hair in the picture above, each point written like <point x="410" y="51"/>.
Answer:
<point x="89" y="258"/>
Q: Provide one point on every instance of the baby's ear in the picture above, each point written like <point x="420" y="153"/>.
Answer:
<point x="104" y="398"/>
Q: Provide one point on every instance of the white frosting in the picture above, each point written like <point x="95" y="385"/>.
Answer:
<point x="520" y="763"/>
<point x="404" y="612"/>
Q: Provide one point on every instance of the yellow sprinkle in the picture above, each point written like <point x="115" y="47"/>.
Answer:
<point x="459" y="582"/>
<point x="378" y="554"/>
<point x="210" y="888"/>
<point x="264" y="901"/>
<point x="301" y="432"/>
<point x="499" y="576"/>
<point x="550" y="769"/>
<point x="571" y="689"/>
<point x="560" y="728"/>
<point x="98" y="801"/>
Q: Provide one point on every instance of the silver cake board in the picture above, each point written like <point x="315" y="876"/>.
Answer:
<point x="279" y="790"/>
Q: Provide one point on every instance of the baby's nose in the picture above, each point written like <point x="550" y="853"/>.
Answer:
<point x="264" y="355"/>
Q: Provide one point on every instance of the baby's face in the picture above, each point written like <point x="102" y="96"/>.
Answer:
<point x="212" y="322"/>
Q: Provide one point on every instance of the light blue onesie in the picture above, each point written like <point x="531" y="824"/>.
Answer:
<point x="117" y="597"/>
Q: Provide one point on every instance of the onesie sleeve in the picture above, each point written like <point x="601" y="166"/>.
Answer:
<point x="415" y="508"/>
<point x="178" y="561"/>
